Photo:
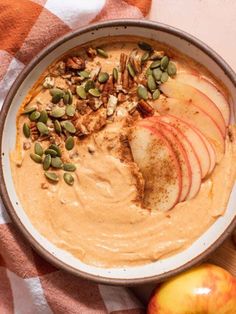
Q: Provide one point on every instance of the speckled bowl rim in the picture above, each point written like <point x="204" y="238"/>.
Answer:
<point x="6" y="105"/>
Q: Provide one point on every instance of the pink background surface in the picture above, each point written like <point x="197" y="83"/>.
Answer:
<point x="212" y="21"/>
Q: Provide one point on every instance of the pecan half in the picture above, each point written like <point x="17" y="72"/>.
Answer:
<point x="75" y="63"/>
<point x="125" y="79"/>
<point x="145" y="108"/>
<point x="123" y="61"/>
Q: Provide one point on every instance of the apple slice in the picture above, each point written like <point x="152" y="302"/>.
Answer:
<point x="209" y="89"/>
<point x="159" y="167"/>
<point x="196" y="117"/>
<point x="179" y="151"/>
<point x="198" y="144"/>
<point x="192" y="96"/>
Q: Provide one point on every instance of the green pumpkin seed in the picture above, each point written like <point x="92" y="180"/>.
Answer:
<point x="56" y="148"/>
<point x="156" y="94"/>
<point x="26" y="130"/>
<point x="81" y="92"/>
<point x="28" y="110"/>
<point x="164" y="77"/>
<point x="84" y="74"/>
<point x="50" y="151"/>
<point x="43" y="116"/>
<point x="115" y="74"/>
<point x="144" y="46"/>
<point x="70" y="96"/>
<point x="56" y="162"/>
<point x="69" y="143"/>
<point x="70" y="110"/>
<point x="148" y="72"/>
<point x="142" y="92"/>
<point x="131" y="70"/>
<point x="57" y="94"/>
<point x="57" y="127"/>
<point x="43" y="129"/>
<point x="155" y="64"/>
<point x="171" y="69"/>
<point x="164" y="62"/>
<point x="145" y="56"/>
<point x="68" y="178"/>
<point x="36" y="158"/>
<point x="57" y="112"/>
<point x="68" y="126"/>
<point x="102" y="53"/>
<point x="34" y="116"/>
<point x="103" y="77"/>
<point x="38" y="149"/>
<point x="69" y="167"/>
<point x="47" y="162"/>
<point x="66" y="98"/>
<point x="51" y="176"/>
<point x="151" y="83"/>
<point x="94" y="92"/>
<point x="157" y="73"/>
<point x="88" y="85"/>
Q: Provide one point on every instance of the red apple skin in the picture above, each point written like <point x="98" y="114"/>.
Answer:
<point x="206" y="289"/>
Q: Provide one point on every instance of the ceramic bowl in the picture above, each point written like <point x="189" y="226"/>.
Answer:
<point x="155" y="271"/>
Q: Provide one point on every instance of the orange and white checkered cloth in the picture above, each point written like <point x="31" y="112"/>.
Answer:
<point x="28" y="284"/>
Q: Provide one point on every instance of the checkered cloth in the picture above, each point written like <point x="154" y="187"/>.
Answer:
<point x="28" y="284"/>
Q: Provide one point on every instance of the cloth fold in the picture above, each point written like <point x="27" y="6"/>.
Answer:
<point x="28" y="284"/>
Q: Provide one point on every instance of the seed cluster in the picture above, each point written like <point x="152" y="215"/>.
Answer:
<point x="135" y="83"/>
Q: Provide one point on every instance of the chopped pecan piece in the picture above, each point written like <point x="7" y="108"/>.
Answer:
<point x="58" y="69"/>
<point x="26" y="145"/>
<point x="91" y="52"/>
<point x="122" y="97"/>
<point x="135" y="61"/>
<point x="123" y="61"/>
<point x="34" y="131"/>
<point x="108" y="87"/>
<point x="75" y="63"/>
<point x="145" y="108"/>
<point x="95" y="72"/>
<point x="125" y="79"/>
<point x="95" y="103"/>
<point x="81" y="106"/>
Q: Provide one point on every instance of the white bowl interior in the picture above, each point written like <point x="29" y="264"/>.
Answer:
<point x="8" y="142"/>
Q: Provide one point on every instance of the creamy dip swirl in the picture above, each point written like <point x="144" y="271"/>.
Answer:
<point x="100" y="219"/>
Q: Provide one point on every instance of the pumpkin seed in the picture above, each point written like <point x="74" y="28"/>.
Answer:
<point x="43" y="129"/>
<point x="56" y="162"/>
<point x="81" y="92"/>
<point x="103" y="77"/>
<point x="50" y="151"/>
<point x="68" y="178"/>
<point x="43" y="116"/>
<point x="68" y="126"/>
<point x="26" y="130"/>
<point x="47" y="162"/>
<point x="57" y="112"/>
<point x="36" y="158"/>
<point x="164" y="62"/>
<point x="142" y="92"/>
<point x="155" y="64"/>
<point x="70" y="96"/>
<point x="38" y="149"/>
<point x="57" y="126"/>
<point x="84" y="74"/>
<point x="157" y="74"/>
<point x="164" y="77"/>
<point x="69" y="166"/>
<point x="171" y="69"/>
<point x="34" y="116"/>
<point x="69" y="143"/>
<point x="88" y="85"/>
<point x="115" y="74"/>
<point x="66" y="98"/>
<point x="148" y="72"/>
<point x="57" y="94"/>
<point x="28" y="110"/>
<point x="145" y="56"/>
<point x="94" y="92"/>
<point x="56" y="148"/>
<point x="151" y="83"/>
<point x="156" y="94"/>
<point x="144" y="46"/>
<point x="52" y="176"/>
<point x="131" y="70"/>
<point x="70" y="110"/>
<point x="102" y="53"/>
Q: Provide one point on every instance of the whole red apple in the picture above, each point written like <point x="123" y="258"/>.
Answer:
<point x="206" y="289"/>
